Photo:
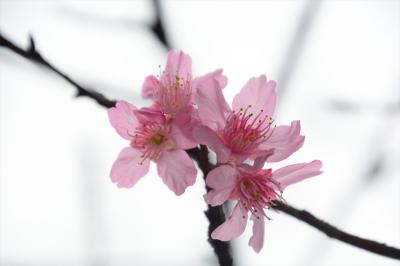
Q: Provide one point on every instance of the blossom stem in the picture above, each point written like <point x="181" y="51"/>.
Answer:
<point x="333" y="232"/>
<point x="200" y="155"/>
<point x="215" y="215"/>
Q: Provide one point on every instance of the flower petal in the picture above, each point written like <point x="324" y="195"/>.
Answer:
<point x="285" y="140"/>
<point x="122" y="118"/>
<point x="205" y="135"/>
<point x="240" y="157"/>
<point x="213" y="109"/>
<point x="233" y="227"/>
<point x="257" y="239"/>
<point x="258" y="162"/>
<point x="259" y="93"/>
<point x="181" y="131"/>
<point x="151" y="114"/>
<point x="177" y="170"/>
<point x="149" y="85"/>
<point x="296" y="172"/>
<point x="178" y="64"/>
<point x="129" y="168"/>
<point x="222" y="180"/>
<point x="213" y="79"/>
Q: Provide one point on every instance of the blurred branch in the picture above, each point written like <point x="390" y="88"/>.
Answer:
<point x="296" y="44"/>
<point x="157" y="27"/>
<point x="34" y="56"/>
<point x="216" y="215"/>
<point x="333" y="232"/>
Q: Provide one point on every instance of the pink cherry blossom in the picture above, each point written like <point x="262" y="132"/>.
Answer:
<point x="154" y="136"/>
<point x="246" y="130"/>
<point x="175" y="88"/>
<point x="254" y="189"/>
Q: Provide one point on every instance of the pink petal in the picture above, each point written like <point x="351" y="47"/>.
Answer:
<point x="129" y="168"/>
<point x="213" y="109"/>
<point x="257" y="239"/>
<point x="149" y="85"/>
<point x="259" y="93"/>
<point x="205" y="135"/>
<point x="240" y="157"/>
<point x="178" y="64"/>
<point x="296" y="172"/>
<point x="233" y="227"/>
<point x="222" y="180"/>
<point x="123" y="119"/>
<point x="150" y="115"/>
<point x="261" y="159"/>
<point x="177" y="170"/>
<point x="181" y="131"/>
<point x="213" y="79"/>
<point x="258" y="162"/>
<point x="285" y="140"/>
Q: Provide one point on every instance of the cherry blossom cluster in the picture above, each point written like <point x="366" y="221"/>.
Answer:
<point x="188" y="111"/>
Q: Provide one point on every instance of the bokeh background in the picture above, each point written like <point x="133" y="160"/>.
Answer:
<point x="337" y="64"/>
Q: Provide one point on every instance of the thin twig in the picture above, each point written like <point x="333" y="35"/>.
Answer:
<point x="33" y="55"/>
<point x="200" y="155"/>
<point x="333" y="232"/>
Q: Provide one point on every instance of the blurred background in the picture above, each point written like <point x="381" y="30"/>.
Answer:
<point x="337" y="64"/>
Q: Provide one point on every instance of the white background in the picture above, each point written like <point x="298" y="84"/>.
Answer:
<point x="337" y="64"/>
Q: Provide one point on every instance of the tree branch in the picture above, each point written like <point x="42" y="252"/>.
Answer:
<point x="215" y="214"/>
<point x="33" y="55"/>
<point x="333" y="232"/>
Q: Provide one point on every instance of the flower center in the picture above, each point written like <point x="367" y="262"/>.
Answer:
<point x="244" y="131"/>
<point x="150" y="139"/>
<point x="157" y="139"/>
<point x="257" y="191"/>
<point x="174" y="93"/>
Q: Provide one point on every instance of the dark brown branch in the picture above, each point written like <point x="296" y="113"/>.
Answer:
<point x="215" y="215"/>
<point x="333" y="232"/>
<point x="33" y="55"/>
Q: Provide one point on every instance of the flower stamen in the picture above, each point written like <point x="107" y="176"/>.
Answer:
<point x="174" y="93"/>
<point x="150" y="138"/>
<point x="257" y="191"/>
<point x="244" y="131"/>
